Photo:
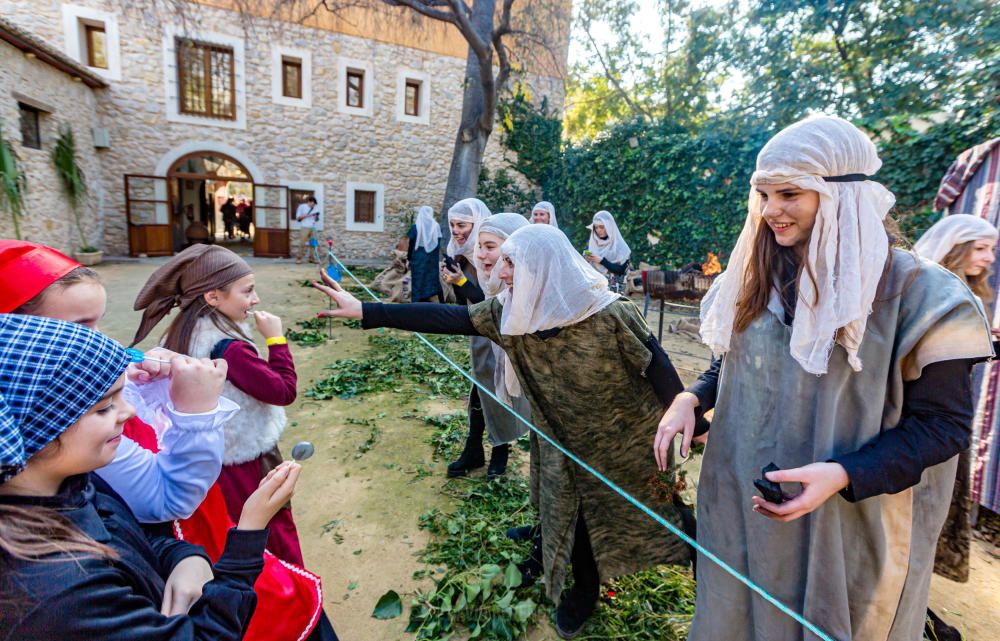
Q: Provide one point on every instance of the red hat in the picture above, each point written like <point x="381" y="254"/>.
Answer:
<point x="26" y="269"/>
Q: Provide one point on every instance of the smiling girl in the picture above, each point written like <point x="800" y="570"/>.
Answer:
<point x="74" y="562"/>
<point x="469" y="277"/>
<point x="846" y="363"/>
<point x="216" y="292"/>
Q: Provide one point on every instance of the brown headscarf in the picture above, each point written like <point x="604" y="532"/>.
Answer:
<point x="183" y="279"/>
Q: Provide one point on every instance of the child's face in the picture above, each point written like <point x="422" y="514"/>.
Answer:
<point x="91" y="442"/>
<point x="540" y="216"/>
<point x="84" y="303"/>
<point x="601" y="232"/>
<point x="488" y="251"/>
<point x="506" y="273"/>
<point x="236" y="302"/>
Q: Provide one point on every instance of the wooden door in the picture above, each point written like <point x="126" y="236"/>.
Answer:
<point x="270" y="219"/>
<point x="147" y="211"/>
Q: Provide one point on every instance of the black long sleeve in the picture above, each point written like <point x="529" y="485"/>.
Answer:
<point x="667" y="383"/>
<point x="935" y="426"/>
<point x="707" y="386"/>
<point x="615" y="268"/>
<point x="469" y="293"/>
<point x="433" y="318"/>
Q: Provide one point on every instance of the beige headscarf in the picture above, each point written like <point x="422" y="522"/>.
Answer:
<point x="847" y="250"/>
<point x="183" y="279"/>
<point x="950" y="231"/>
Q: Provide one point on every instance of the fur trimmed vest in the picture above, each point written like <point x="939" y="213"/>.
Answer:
<point x="256" y="428"/>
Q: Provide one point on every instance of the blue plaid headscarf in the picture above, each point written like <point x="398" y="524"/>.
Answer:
<point x="51" y="373"/>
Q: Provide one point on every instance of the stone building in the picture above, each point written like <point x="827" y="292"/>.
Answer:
<point x="173" y="115"/>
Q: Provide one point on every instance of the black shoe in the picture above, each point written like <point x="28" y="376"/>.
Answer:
<point x="572" y="613"/>
<point x="523" y="533"/>
<point x="498" y="461"/>
<point x="472" y="457"/>
<point x="530" y="571"/>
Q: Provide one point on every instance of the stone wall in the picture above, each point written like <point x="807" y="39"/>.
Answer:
<point x="283" y="143"/>
<point x="48" y="219"/>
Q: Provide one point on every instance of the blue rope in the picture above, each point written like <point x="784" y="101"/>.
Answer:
<point x="823" y="636"/>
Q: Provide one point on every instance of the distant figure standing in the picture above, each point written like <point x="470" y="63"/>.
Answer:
<point x="228" y="210"/>
<point x="307" y="215"/>
<point x="423" y="254"/>
<point x="246" y="217"/>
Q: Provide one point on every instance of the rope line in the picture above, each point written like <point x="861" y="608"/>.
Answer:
<point x="798" y="618"/>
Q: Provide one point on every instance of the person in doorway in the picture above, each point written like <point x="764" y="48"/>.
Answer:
<point x="307" y="215"/>
<point x="845" y="363"/>
<point x="607" y="251"/>
<point x="423" y="251"/>
<point x="544" y="213"/>
<point x="485" y="415"/>
<point x="246" y="219"/>
<point x="597" y="381"/>
<point x="228" y="210"/>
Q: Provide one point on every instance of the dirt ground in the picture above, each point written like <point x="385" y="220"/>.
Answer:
<point x="357" y="509"/>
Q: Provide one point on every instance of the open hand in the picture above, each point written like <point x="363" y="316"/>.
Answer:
<point x="819" y="482"/>
<point x="196" y="383"/>
<point x="268" y="324"/>
<point x="274" y="491"/>
<point x="347" y="305"/>
<point x="184" y="585"/>
<point x="679" y="419"/>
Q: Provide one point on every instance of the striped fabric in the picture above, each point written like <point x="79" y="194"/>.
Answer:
<point x="972" y="186"/>
<point x="51" y="373"/>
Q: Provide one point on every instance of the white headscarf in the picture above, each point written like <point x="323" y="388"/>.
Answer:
<point x="950" y="231"/>
<point x="614" y="247"/>
<point x="470" y="210"/>
<point x="428" y="230"/>
<point x="548" y="207"/>
<point x="553" y="285"/>
<point x="847" y="250"/>
<point x="502" y="226"/>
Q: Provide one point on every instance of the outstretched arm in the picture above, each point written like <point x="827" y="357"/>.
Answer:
<point x="416" y="317"/>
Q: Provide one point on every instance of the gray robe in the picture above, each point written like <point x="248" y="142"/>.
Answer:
<point x="857" y="570"/>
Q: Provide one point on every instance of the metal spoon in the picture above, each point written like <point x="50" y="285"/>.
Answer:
<point x="303" y="450"/>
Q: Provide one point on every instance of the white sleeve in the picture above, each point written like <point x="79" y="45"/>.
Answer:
<point x="171" y="484"/>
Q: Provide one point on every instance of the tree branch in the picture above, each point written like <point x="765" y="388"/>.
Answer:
<point x="479" y="46"/>
<point x="636" y="109"/>
<point x="425" y="8"/>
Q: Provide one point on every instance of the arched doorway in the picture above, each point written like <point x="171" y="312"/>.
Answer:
<point x="169" y="212"/>
<point x="200" y="186"/>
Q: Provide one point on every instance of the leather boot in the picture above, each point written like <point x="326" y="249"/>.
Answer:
<point x="498" y="461"/>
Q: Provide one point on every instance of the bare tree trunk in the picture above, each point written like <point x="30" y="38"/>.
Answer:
<point x="477" y="124"/>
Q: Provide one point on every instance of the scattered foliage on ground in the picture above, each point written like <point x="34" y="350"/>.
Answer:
<point x="396" y="363"/>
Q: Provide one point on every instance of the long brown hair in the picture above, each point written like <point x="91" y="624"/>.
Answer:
<point x="78" y="275"/>
<point x="33" y="532"/>
<point x="764" y="270"/>
<point x="177" y="338"/>
<point x="954" y="261"/>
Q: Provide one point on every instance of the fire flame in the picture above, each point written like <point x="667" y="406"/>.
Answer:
<point x="712" y="266"/>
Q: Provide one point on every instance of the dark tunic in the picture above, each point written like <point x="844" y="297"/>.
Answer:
<point x="425" y="281"/>
<point x="66" y="599"/>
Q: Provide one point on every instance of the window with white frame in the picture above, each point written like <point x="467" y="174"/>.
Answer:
<point x="299" y="192"/>
<point x="356" y="82"/>
<point x="365" y="207"/>
<point x="92" y="39"/>
<point x="413" y="102"/>
<point x="291" y="76"/>
<point x="204" y="78"/>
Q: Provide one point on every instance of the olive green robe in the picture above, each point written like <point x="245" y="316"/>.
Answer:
<point x="588" y="391"/>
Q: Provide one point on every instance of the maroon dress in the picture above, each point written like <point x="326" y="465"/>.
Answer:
<point x="274" y="382"/>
